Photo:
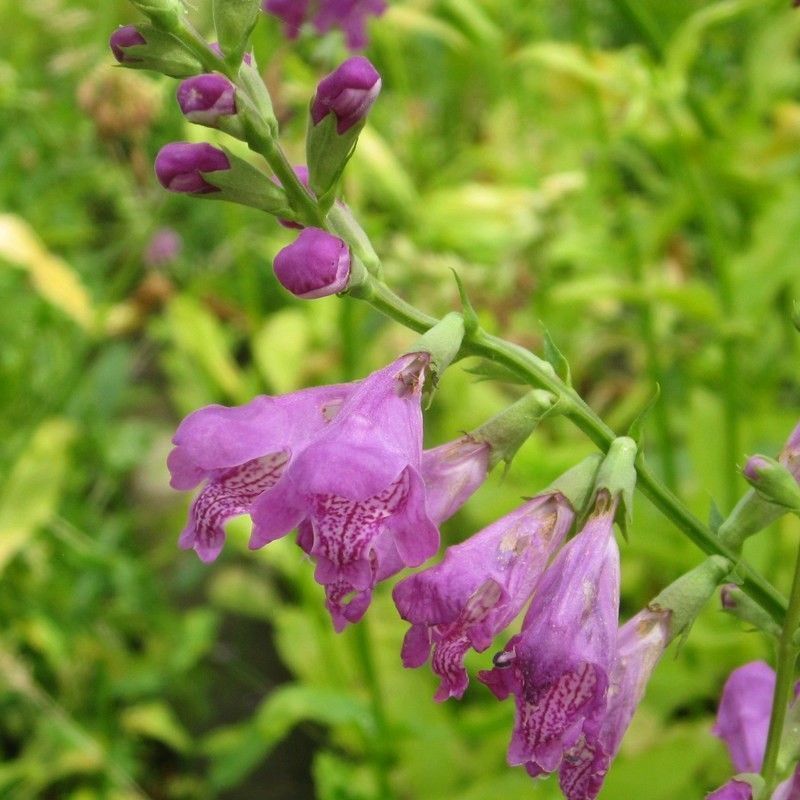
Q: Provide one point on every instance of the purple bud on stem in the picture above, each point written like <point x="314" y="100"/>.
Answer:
<point x="316" y="264"/>
<point x="348" y="93"/>
<point x="179" y="166"/>
<point x="205" y="98"/>
<point x="122" y="38"/>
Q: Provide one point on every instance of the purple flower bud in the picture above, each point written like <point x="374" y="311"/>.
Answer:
<point x="479" y="588"/>
<point x="316" y="264"/>
<point x="205" y="98"/>
<point x="348" y="93"/>
<point x="179" y="164"/>
<point x="754" y="466"/>
<point x="744" y="713"/>
<point x="164" y="247"/>
<point x="559" y="665"/>
<point x="122" y="38"/>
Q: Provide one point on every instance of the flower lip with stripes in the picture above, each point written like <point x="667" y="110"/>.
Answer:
<point x="240" y="453"/>
<point x="558" y="666"/>
<point x="357" y="491"/>
<point x="479" y="588"/>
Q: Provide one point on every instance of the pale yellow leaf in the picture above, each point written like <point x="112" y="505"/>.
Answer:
<point x="50" y="275"/>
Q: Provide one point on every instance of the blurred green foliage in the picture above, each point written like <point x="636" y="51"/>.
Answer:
<point x="626" y="173"/>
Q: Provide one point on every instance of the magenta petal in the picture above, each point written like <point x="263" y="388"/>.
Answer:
<point x="416" y="646"/>
<point x="452" y="473"/>
<point x="226" y="496"/>
<point x="583" y="770"/>
<point x="482" y="584"/>
<point x="274" y="514"/>
<point x="416" y="537"/>
<point x="744" y="714"/>
<point x="732" y="790"/>
<point x="562" y="659"/>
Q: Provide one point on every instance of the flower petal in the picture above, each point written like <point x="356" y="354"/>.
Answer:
<point x="229" y="494"/>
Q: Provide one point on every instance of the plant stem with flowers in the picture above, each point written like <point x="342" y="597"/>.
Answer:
<point x="367" y="503"/>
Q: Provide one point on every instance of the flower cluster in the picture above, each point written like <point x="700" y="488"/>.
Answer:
<point x="348" y="15"/>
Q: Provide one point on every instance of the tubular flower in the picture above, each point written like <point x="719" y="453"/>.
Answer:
<point x="640" y="644"/>
<point x="348" y="15"/>
<point x="743" y="724"/>
<point x="357" y="491"/>
<point x="744" y="712"/>
<point x="559" y="665"/>
<point x="452" y="473"/>
<point x="241" y="452"/>
<point x="479" y="588"/>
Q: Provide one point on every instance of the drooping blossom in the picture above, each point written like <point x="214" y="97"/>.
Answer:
<point x="744" y="713"/>
<point x="240" y="453"/>
<point x="559" y="666"/>
<point x="316" y="264"/>
<point x="479" y="588"/>
<point x="640" y="643"/>
<point x="743" y="724"/>
<point x="357" y="492"/>
<point x="348" y="93"/>
<point x="179" y="166"/>
<point x="348" y="15"/>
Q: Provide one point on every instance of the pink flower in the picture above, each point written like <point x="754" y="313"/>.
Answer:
<point x="559" y="665"/>
<point x="357" y="490"/>
<point x="240" y="453"/>
<point x="348" y="15"/>
<point x="479" y="588"/>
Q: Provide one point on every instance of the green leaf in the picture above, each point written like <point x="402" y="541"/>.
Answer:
<point x="636" y="430"/>
<point x="486" y="370"/>
<point x="162" y="52"/>
<point x="32" y="490"/>
<point x="556" y="359"/>
<point x="247" y="185"/>
<point x="156" y="721"/>
<point x="235" y="751"/>
<point x="234" y="21"/>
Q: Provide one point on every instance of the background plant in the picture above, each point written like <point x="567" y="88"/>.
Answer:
<point x="630" y="181"/>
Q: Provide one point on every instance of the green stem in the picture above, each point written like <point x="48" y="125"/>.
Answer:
<point x="784" y="683"/>
<point x="538" y="373"/>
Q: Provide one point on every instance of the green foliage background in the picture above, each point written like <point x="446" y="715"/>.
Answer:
<point x="626" y="173"/>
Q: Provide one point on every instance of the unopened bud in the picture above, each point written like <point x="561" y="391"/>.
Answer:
<point x="338" y="113"/>
<point x="316" y="264"/>
<point x="773" y="481"/>
<point x="124" y="37"/>
<point x="348" y="93"/>
<point x="203" y="99"/>
<point x="179" y="166"/>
